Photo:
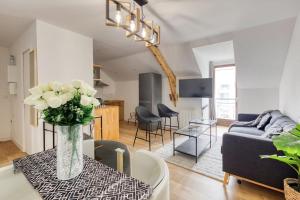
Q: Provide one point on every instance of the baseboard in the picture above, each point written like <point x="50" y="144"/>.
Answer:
<point x="18" y="145"/>
<point x="5" y="139"/>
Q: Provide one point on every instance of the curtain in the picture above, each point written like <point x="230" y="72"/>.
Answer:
<point x="212" y="104"/>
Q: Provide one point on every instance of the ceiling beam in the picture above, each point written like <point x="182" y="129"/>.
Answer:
<point x="168" y="72"/>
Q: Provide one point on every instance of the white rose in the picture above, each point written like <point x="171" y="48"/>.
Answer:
<point x="91" y="91"/>
<point x="54" y="102"/>
<point x="48" y="95"/>
<point x="41" y="105"/>
<point x="55" y="86"/>
<point x="45" y="87"/>
<point x="66" y="88"/>
<point x="36" y="91"/>
<point x="85" y="100"/>
<point x="66" y="97"/>
<point x="95" y="102"/>
<point x="85" y="89"/>
<point x="77" y="84"/>
<point x="30" y="100"/>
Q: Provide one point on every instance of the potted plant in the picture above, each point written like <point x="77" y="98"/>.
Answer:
<point x="68" y="107"/>
<point x="289" y="144"/>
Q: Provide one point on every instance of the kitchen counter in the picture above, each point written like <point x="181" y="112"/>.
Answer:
<point x="110" y="123"/>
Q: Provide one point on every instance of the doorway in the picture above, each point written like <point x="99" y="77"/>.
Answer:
<point x="30" y="114"/>
<point x="225" y="94"/>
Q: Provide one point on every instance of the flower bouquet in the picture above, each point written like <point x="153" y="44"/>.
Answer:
<point x="68" y="107"/>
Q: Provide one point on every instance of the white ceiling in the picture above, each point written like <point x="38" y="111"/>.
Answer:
<point x="180" y="20"/>
<point x="216" y="53"/>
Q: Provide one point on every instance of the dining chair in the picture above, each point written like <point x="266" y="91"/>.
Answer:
<point x="105" y="152"/>
<point x="149" y="168"/>
<point x="149" y="122"/>
<point x="165" y="112"/>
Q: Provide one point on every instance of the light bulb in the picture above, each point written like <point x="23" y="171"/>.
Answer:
<point x="153" y="39"/>
<point x="144" y="32"/>
<point x="118" y="17"/>
<point x="132" y="25"/>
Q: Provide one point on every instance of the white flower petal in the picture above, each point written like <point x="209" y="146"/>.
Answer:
<point x="55" y="86"/>
<point x="77" y="84"/>
<point x="95" y="102"/>
<point x="54" y="102"/>
<point x="36" y="90"/>
<point x="85" y="100"/>
<point x="48" y="95"/>
<point x="41" y="105"/>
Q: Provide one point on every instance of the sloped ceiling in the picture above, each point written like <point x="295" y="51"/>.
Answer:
<point x="181" y="21"/>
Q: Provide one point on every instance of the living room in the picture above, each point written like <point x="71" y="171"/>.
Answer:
<point x="141" y="85"/>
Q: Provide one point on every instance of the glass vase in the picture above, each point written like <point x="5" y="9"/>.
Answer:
<point x="69" y="152"/>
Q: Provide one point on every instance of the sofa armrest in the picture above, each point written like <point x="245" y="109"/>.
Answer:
<point x="243" y="117"/>
<point x="241" y="157"/>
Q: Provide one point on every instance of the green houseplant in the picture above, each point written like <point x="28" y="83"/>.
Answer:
<point x="68" y="107"/>
<point x="289" y="144"/>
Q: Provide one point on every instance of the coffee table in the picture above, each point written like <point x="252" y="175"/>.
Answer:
<point x="197" y="142"/>
<point x="207" y="122"/>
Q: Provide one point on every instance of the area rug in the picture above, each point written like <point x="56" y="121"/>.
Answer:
<point x="209" y="163"/>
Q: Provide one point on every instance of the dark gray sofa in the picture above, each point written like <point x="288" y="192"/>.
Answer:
<point x="242" y="147"/>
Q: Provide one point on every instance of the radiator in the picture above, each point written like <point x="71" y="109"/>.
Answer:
<point x="185" y="115"/>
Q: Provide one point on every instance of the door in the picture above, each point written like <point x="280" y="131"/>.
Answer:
<point x="225" y="94"/>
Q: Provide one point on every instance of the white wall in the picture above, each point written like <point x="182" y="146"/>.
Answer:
<point x="260" y="53"/>
<point x="290" y="82"/>
<point x="63" y="56"/>
<point x="5" y="105"/>
<point x="107" y="92"/>
<point x="129" y="92"/>
<point x="26" y="41"/>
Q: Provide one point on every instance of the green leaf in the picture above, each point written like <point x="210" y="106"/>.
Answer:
<point x="288" y="143"/>
<point x="296" y="132"/>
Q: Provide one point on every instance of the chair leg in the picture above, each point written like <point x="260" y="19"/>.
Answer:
<point x="149" y="138"/>
<point x="170" y="128"/>
<point x="156" y="129"/>
<point x="161" y="133"/>
<point x="136" y="135"/>
<point x="165" y="124"/>
<point x="177" y="122"/>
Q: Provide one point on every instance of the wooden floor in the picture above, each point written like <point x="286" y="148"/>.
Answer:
<point x="188" y="185"/>
<point x="184" y="184"/>
<point x="8" y="152"/>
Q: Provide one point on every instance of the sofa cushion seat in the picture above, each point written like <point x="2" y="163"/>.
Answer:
<point x="247" y="130"/>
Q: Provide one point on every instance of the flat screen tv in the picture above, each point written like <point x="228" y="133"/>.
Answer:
<point x="196" y="88"/>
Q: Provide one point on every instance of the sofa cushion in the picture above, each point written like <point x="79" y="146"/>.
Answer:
<point x="275" y="114"/>
<point x="284" y="122"/>
<point x="247" y="130"/>
<point x="265" y="120"/>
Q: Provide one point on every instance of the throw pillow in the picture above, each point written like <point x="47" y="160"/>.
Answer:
<point x="265" y="120"/>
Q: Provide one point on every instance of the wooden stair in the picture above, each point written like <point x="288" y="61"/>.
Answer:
<point x="168" y="72"/>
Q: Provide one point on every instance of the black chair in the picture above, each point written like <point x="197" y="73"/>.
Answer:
<point x="149" y="122"/>
<point x="105" y="152"/>
<point x="165" y="112"/>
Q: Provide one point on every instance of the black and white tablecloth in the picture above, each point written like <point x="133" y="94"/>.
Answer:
<point x="97" y="181"/>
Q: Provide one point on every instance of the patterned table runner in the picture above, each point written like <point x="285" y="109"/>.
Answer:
<point x="97" y="181"/>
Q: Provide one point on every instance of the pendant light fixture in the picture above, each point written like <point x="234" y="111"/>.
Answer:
<point x="129" y="15"/>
